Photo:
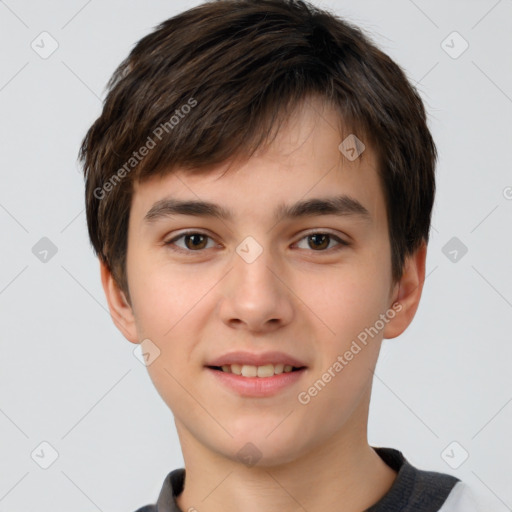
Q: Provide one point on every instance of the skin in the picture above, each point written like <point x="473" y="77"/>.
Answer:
<point x="299" y="296"/>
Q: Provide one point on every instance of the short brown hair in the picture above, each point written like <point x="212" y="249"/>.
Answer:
<point x="214" y="82"/>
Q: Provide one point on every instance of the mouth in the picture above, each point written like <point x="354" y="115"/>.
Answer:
<point x="256" y="374"/>
<point x="263" y="371"/>
<point x="262" y="381"/>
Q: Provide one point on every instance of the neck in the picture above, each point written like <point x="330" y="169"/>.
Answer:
<point x="343" y="473"/>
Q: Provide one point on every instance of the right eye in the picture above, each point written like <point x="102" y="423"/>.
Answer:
<point x="194" y="241"/>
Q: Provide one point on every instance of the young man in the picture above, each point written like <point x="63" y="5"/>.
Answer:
<point x="259" y="189"/>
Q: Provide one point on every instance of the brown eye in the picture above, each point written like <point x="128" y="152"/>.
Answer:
<point x="193" y="242"/>
<point x="320" y="241"/>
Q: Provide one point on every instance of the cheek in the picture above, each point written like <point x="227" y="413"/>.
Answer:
<point x="171" y="308"/>
<point x="163" y="295"/>
<point x="344" y="301"/>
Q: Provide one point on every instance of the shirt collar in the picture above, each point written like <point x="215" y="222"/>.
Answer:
<point x="410" y="483"/>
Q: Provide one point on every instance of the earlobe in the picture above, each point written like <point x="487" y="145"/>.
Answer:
<point x="407" y="298"/>
<point x="120" y="310"/>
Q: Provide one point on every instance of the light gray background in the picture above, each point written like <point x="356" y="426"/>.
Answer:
<point x="69" y="378"/>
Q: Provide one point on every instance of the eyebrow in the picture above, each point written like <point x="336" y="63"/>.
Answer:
<point x="343" y="206"/>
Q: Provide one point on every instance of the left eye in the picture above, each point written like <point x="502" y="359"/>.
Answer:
<point x="322" y="240"/>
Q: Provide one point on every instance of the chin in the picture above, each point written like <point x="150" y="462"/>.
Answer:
<point x="261" y="446"/>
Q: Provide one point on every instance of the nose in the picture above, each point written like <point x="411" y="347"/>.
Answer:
<point x="255" y="294"/>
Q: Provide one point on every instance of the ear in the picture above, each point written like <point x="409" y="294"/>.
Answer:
<point x="120" y="310"/>
<point x="407" y="293"/>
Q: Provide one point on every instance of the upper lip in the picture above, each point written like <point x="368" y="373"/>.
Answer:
<point x="255" y="359"/>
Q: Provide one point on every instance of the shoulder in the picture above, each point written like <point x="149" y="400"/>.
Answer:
<point x="420" y="490"/>
<point x="461" y="499"/>
<point x="171" y="487"/>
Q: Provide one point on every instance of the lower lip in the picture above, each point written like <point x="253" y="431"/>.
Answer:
<point x="257" y="386"/>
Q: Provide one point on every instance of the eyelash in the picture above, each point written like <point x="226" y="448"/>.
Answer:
<point x="341" y="243"/>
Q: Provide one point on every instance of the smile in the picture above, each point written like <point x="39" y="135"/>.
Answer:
<point x="247" y="370"/>
<point x="257" y="381"/>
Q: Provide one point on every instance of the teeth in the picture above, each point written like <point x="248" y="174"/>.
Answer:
<point x="235" y="368"/>
<point x="266" y="371"/>
<point x="247" y="370"/>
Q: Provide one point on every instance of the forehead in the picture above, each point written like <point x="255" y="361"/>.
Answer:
<point x="304" y="161"/>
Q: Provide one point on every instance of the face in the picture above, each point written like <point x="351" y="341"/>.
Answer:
<point x="258" y="281"/>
